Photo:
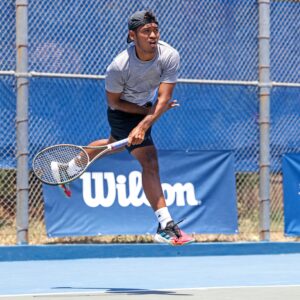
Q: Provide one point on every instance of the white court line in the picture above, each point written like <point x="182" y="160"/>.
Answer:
<point x="234" y="287"/>
<point x="123" y="291"/>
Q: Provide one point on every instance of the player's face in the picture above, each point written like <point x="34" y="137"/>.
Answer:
<point x="146" y="38"/>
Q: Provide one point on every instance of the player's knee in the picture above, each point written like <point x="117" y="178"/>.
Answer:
<point x="150" y="163"/>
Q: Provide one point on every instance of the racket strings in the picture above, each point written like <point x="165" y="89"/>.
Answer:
<point x="60" y="164"/>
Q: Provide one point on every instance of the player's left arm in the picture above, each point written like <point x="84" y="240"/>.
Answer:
<point x="162" y="105"/>
<point x="169" y="74"/>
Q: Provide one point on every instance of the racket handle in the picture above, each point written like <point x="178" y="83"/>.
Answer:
<point x="118" y="144"/>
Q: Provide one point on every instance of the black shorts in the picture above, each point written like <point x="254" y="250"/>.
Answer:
<point x="121" y="124"/>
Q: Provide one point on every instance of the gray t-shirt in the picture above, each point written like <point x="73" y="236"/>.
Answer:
<point x="138" y="80"/>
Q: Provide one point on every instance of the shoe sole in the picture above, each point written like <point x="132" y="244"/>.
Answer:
<point x="183" y="244"/>
<point x="159" y="239"/>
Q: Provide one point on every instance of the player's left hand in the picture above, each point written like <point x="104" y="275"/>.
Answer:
<point x="173" y="104"/>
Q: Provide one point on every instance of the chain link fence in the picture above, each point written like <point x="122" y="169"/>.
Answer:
<point x="217" y="41"/>
<point x="285" y="108"/>
<point x="285" y="138"/>
<point x="7" y="151"/>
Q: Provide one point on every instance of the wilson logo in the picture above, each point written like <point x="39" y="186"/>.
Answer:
<point x="104" y="188"/>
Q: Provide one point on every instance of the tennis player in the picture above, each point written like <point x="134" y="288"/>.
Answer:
<point x="139" y="85"/>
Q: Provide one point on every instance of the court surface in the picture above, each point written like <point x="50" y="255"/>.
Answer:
<point x="229" y="277"/>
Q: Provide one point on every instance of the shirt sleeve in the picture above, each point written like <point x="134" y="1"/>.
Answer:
<point x="171" y="67"/>
<point x="114" y="82"/>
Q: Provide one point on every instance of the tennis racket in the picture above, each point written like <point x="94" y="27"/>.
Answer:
<point x="63" y="163"/>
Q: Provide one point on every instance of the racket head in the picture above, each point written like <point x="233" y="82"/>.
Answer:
<point x="51" y="165"/>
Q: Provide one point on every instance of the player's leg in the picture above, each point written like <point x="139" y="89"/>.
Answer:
<point x="147" y="157"/>
<point x="121" y="125"/>
<point x="98" y="143"/>
<point x="92" y="153"/>
<point x="59" y="169"/>
<point x="168" y="231"/>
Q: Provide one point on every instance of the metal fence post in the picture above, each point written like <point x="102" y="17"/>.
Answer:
<point x="264" y="119"/>
<point x="22" y="120"/>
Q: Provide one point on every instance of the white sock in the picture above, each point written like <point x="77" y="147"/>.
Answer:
<point x="163" y="217"/>
<point x="73" y="167"/>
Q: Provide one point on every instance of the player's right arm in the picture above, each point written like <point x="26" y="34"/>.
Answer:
<point x="114" y="102"/>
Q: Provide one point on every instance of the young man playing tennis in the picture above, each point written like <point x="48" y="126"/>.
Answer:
<point x="144" y="72"/>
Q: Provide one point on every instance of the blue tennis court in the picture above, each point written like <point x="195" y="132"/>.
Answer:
<point x="272" y="275"/>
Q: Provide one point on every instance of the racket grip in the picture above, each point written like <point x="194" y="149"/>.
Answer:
<point x="119" y="144"/>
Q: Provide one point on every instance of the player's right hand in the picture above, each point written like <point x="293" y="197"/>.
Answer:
<point x="136" y="136"/>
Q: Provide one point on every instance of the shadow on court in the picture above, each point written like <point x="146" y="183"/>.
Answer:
<point x="125" y="291"/>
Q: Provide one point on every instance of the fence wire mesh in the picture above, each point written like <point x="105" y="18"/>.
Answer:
<point x="285" y="138"/>
<point x="8" y="160"/>
<point x="7" y="35"/>
<point x="285" y="39"/>
<point x="217" y="40"/>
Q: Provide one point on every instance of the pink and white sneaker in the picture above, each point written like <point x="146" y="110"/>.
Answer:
<point x="66" y="190"/>
<point x="172" y="235"/>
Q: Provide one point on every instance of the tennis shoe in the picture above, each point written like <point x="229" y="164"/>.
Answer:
<point x="172" y="235"/>
<point x="60" y="174"/>
<point x="66" y="190"/>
